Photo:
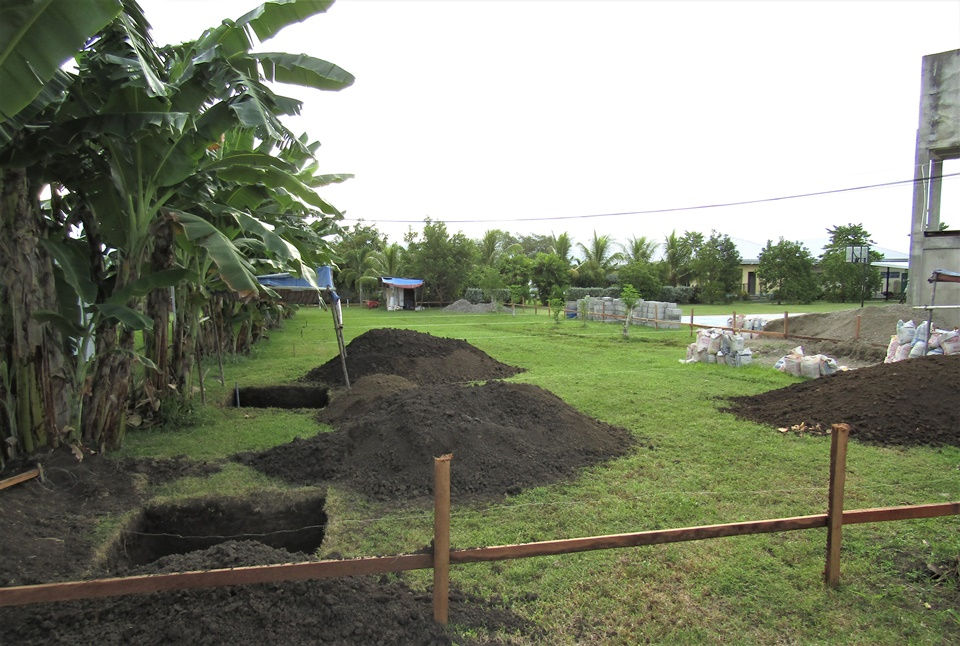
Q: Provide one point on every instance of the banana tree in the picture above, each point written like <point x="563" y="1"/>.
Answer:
<point x="36" y="38"/>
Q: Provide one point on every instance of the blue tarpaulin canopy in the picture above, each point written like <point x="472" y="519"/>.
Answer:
<point x="286" y="281"/>
<point x="402" y="283"/>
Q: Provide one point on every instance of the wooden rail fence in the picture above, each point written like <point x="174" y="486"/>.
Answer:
<point x="443" y="556"/>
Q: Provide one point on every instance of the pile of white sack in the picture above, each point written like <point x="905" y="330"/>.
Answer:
<point x="716" y="346"/>
<point x="913" y="341"/>
<point x="799" y="364"/>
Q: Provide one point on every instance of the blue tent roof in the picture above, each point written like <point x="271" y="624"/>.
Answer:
<point x="286" y="281"/>
<point x="402" y="283"/>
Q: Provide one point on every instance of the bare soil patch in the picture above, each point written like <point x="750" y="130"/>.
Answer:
<point x="906" y="403"/>
<point x="416" y="356"/>
<point x="504" y="437"/>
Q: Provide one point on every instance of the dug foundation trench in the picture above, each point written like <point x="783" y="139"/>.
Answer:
<point x="292" y="523"/>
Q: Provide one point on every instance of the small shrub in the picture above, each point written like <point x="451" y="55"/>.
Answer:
<point x="682" y="294"/>
<point x="499" y="295"/>
<point x="473" y="294"/>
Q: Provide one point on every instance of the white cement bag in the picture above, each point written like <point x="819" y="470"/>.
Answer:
<point x="892" y="349"/>
<point x="950" y="342"/>
<point x="828" y="365"/>
<point x="791" y="364"/>
<point x="703" y="340"/>
<point x="933" y="341"/>
<point x="919" y="349"/>
<point x="903" y="352"/>
<point x="744" y="357"/>
<point x="714" y="346"/>
<point x="906" y="332"/>
<point x="920" y="336"/>
<point x="810" y="367"/>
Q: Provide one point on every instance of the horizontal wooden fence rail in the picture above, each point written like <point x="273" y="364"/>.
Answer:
<point x="47" y="592"/>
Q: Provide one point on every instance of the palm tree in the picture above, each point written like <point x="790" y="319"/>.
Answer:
<point x="639" y="249"/>
<point x="390" y="260"/>
<point x="561" y="246"/>
<point x="598" y="261"/>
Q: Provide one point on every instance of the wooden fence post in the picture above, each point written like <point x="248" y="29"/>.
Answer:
<point x="734" y="326"/>
<point x="441" y="538"/>
<point x="838" y="462"/>
<point x="786" y="325"/>
<point x="691" y="321"/>
<point x="856" y="334"/>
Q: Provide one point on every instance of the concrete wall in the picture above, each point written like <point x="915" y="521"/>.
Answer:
<point x="938" y="138"/>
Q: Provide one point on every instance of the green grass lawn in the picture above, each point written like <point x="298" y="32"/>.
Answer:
<point x="705" y="467"/>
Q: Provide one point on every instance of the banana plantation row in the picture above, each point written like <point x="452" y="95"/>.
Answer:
<point x="141" y="190"/>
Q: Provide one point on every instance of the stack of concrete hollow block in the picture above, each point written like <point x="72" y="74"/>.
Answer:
<point x="649" y="313"/>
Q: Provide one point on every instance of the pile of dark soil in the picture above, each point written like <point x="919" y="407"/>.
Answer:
<point x="503" y="436"/>
<point x="356" y="610"/>
<point x="905" y="403"/>
<point x="421" y="358"/>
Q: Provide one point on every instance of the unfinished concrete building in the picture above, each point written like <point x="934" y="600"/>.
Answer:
<point x="938" y="141"/>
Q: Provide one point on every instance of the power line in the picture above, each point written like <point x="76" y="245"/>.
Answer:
<point x="674" y="209"/>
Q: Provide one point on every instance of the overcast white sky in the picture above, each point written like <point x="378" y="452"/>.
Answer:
<point x="500" y="110"/>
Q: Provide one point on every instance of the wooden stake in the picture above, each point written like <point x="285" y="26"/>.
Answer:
<point x="786" y="325"/>
<point x="691" y="321"/>
<point x="838" y="464"/>
<point x="734" y="326"/>
<point x="23" y="477"/>
<point x="856" y="334"/>
<point x="441" y="538"/>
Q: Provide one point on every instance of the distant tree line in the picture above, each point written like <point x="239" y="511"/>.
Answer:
<point x="684" y="268"/>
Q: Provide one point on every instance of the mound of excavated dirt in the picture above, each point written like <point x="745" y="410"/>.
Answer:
<point x="353" y="610"/>
<point x="877" y="323"/>
<point x="503" y="436"/>
<point x="905" y="403"/>
<point x="418" y="357"/>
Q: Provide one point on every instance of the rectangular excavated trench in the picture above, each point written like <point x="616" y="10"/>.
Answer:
<point x="160" y="530"/>
<point x="279" y="397"/>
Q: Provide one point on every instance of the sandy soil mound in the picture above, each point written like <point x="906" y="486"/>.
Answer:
<point x="905" y="403"/>
<point x="354" y="610"/>
<point x="463" y="306"/>
<point x="418" y="357"/>
<point x="504" y="437"/>
<point x="877" y="323"/>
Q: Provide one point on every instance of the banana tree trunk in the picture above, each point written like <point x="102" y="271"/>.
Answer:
<point x="36" y="385"/>
<point x="105" y="401"/>
<point x="185" y="339"/>
<point x="157" y="341"/>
